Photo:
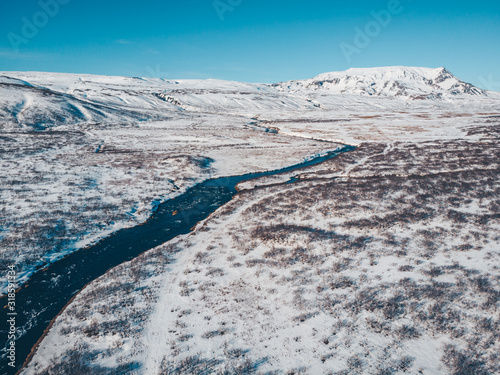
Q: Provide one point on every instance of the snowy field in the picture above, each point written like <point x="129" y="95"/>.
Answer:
<point x="65" y="184"/>
<point x="391" y="267"/>
<point x="383" y="260"/>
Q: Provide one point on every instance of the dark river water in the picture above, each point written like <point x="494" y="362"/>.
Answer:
<point x="49" y="290"/>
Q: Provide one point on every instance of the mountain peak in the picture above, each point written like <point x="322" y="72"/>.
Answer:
<point x="393" y="81"/>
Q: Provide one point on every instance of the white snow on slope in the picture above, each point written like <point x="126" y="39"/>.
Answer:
<point x="210" y="118"/>
<point x="161" y="124"/>
<point x="406" y="82"/>
<point x="83" y="98"/>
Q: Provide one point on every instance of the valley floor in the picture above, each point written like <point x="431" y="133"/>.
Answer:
<point x="381" y="261"/>
<point x="384" y="260"/>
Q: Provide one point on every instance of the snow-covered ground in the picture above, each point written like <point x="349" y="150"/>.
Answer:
<point x="63" y="189"/>
<point x="85" y="155"/>
<point x="70" y="176"/>
<point x="383" y="260"/>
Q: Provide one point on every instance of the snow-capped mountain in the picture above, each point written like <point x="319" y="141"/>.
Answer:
<point x="42" y="100"/>
<point x="399" y="81"/>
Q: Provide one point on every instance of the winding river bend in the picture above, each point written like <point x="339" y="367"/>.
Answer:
<point x="49" y="290"/>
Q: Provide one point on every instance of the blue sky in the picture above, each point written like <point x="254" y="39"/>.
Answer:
<point x="250" y="40"/>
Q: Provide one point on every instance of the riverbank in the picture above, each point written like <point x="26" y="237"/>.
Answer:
<point x="50" y="289"/>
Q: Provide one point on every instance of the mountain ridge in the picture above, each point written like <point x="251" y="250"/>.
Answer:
<point x="397" y="81"/>
<point x="42" y="100"/>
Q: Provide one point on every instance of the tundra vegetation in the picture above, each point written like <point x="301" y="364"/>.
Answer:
<point x="63" y="189"/>
<point x="380" y="261"/>
<point x="384" y="260"/>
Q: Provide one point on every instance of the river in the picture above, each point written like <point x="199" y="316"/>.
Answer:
<point x="49" y="290"/>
